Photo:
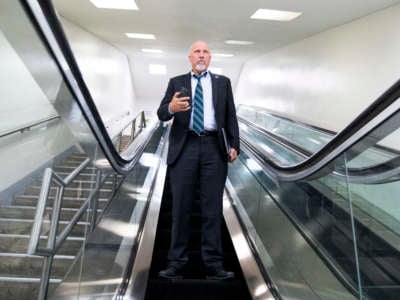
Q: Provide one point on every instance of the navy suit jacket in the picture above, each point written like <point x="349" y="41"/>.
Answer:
<point x="224" y="107"/>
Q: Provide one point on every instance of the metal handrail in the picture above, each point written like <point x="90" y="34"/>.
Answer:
<point x="28" y="126"/>
<point x="133" y="132"/>
<point x="55" y="242"/>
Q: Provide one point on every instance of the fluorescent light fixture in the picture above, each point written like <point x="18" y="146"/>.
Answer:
<point x="143" y="36"/>
<point x="215" y="70"/>
<point x="152" y="51"/>
<point x="157" y="69"/>
<point x="115" y="4"/>
<point x="222" y="54"/>
<point x="275" y="15"/>
<point x="241" y="43"/>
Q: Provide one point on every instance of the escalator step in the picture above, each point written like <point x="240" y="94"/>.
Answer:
<point x="196" y="289"/>
<point x="194" y="286"/>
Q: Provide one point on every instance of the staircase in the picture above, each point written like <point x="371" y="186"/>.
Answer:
<point x="19" y="272"/>
<point x="194" y="286"/>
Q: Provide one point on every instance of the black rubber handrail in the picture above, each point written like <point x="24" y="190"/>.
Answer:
<point x="387" y="171"/>
<point x="384" y="108"/>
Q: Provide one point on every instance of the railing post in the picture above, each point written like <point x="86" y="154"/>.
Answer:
<point x="45" y="279"/>
<point x="40" y="209"/>
<point x="95" y="201"/>
<point x="142" y="120"/>
<point x="51" y="241"/>
<point x="114" y="185"/>
<point x="133" y="130"/>
<point x="119" y="142"/>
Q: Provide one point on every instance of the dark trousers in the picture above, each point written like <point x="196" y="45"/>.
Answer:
<point x="200" y="162"/>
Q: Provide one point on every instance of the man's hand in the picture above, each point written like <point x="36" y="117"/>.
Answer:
<point x="179" y="104"/>
<point x="232" y="155"/>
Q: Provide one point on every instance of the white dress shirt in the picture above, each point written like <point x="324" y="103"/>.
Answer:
<point x="208" y="106"/>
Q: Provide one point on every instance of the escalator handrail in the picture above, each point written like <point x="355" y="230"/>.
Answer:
<point x="387" y="171"/>
<point x="379" y="111"/>
<point x="50" y="30"/>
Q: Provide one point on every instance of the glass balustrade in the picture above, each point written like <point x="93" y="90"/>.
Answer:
<point x="56" y="183"/>
<point x="330" y="237"/>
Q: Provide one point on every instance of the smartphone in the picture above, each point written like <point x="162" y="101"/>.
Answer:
<point x="184" y="92"/>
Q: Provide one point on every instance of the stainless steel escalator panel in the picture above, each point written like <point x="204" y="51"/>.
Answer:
<point x="292" y="264"/>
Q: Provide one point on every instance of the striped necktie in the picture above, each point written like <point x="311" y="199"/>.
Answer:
<point x="198" y="109"/>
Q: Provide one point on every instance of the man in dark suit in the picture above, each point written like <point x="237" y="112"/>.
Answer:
<point x="197" y="154"/>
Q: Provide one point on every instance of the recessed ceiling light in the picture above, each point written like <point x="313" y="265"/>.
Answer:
<point x="222" y="54"/>
<point x="157" y="69"/>
<point x="143" y="36"/>
<point x="152" y="50"/>
<point x="275" y="15"/>
<point x="115" y="4"/>
<point x="233" y="42"/>
<point x="215" y="70"/>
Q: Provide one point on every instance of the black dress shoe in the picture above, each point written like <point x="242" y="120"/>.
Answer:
<point x="220" y="274"/>
<point x="170" y="273"/>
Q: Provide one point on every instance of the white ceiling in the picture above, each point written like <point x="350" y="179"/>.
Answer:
<point x="177" y="23"/>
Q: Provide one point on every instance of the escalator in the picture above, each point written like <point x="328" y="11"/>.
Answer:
<point x="72" y="196"/>
<point x="345" y="212"/>
<point x="310" y="215"/>
<point x="194" y="285"/>
<point x="89" y="198"/>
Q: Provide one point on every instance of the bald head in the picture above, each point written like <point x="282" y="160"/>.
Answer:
<point x="199" y="56"/>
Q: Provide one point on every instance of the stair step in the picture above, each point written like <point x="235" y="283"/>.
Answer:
<point x="18" y="243"/>
<point x="85" y="184"/>
<point x="68" y="192"/>
<point x="68" y="202"/>
<point x="24" y="226"/>
<point x="28" y="212"/>
<point x="69" y="168"/>
<point x="73" y="162"/>
<point x="13" y="264"/>
<point x="23" y="288"/>
<point x="81" y="176"/>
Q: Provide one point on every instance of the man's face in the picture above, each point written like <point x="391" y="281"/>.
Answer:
<point x="199" y="57"/>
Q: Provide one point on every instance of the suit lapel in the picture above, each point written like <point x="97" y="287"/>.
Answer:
<point x="188" y="84"/>
<point x="215" y="82"/>
<point x="214" y="86"/>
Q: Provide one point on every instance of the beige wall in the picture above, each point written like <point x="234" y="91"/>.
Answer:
<point x="327" y="79"/>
